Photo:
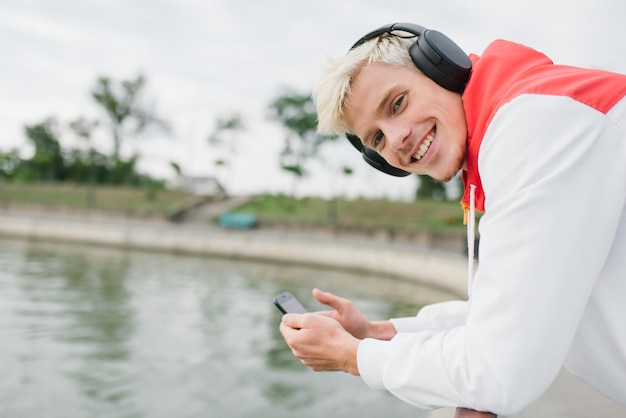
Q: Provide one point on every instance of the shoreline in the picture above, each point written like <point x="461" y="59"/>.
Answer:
<point x="445" y="270"/>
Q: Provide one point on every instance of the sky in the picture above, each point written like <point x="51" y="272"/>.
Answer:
<point x="207" y="59"/>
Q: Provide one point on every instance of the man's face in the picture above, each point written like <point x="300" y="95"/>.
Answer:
<point x="415" y="124"/>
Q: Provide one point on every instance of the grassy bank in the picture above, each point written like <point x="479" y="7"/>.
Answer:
<point x="377" y="213"/>
<point x="81" y="197"/>
<point x="423" y="214"/>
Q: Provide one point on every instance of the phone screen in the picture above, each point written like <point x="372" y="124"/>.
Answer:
<point x="287" y="303"/>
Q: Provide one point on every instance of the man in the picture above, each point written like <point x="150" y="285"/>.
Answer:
<point x="542" y="150"/>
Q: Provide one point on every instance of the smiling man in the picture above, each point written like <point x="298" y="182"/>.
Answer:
<point x="405" y="117"/>
<point x="542" y="151"/>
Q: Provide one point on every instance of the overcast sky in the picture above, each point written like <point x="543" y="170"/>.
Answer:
<point x="204" y="59"/>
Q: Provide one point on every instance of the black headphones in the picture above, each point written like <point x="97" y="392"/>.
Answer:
<point x="435" y="55"/>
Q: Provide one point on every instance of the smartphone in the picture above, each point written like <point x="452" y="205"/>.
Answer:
<point x="287" y="303"/>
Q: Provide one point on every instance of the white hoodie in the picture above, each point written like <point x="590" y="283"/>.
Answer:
<point x="550" y="289"/>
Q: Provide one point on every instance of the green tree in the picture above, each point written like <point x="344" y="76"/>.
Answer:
<point x="224" y="141"/>
<point x="124" y="172"/>
<point x="47" y="163"/>
<point x="83" y="128"/>
<point x="176" y="167"/>
<point x="127" y="115"/>
<point x="296" y="112"/>
<point x="430" y="189"/>
<point x="10" y="163"/>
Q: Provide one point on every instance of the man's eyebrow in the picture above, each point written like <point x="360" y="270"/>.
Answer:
<point x="383" y="102"/>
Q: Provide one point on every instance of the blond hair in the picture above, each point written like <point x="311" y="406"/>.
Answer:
<point x="333" y="90"/>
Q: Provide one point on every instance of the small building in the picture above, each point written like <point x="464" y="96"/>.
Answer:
<point x="201" y="185"/>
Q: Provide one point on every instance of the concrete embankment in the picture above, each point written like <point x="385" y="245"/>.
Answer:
<point x="445" y="270"/>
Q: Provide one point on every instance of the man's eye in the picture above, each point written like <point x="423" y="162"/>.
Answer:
<point x="378" y="138"/>
<point x="397" y="103"/>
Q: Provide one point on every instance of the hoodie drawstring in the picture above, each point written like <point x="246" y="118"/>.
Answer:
<point x="469" y="219"/>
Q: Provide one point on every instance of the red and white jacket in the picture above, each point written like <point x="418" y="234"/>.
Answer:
<point x="547" y="157"/>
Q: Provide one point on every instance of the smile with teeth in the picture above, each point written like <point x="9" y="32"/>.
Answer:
<point x="424" y="146"/>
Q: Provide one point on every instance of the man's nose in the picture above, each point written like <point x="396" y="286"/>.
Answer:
<point x="397" y="136"/>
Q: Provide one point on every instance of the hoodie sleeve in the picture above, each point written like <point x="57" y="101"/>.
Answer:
<point x="437" y="316"/>
<point x="548" y="165"/>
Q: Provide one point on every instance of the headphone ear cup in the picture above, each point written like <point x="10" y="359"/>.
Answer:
<point x="442" y="60"/>
<point x="377" y="161"/>
<point x="355" y="141"/>
<point x="374" y="159"/>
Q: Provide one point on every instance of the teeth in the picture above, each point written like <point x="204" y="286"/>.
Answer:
<point x="424" y="147"/>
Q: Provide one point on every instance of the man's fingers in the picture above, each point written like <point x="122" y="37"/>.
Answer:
<point x="329" y="299"/>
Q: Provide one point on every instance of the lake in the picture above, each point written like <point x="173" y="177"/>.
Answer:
<point x="93" y="331"/>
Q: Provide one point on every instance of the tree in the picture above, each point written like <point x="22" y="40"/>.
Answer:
<point x="296" y="112"/>
<point x="83" y="128"/>
<point x="127" y="116"/>
<point x="176" y="167"/>
<point x="430" y="188"/>
<point x="9" y="164"/>
<point x="50" y="162"/>
<point x="47" y="163"/>
<point x="224" y="140"/>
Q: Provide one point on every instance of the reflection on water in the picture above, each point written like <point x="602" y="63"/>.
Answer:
<point x="97" y="332"/>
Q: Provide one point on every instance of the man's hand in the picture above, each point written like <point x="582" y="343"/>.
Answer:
<point x="351" y="319"/>
<point x="320" y="342"/>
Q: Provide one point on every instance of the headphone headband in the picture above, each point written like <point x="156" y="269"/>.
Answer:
<point x="435" y="55"/>
<point x="416" y="30"/>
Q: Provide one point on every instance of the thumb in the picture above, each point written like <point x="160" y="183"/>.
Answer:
<point x="293" y="320"/>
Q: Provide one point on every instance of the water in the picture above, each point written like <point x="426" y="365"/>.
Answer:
<point x="102" y="332"/>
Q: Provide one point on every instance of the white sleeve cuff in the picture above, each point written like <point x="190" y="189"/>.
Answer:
<point x="371" y="357"/>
